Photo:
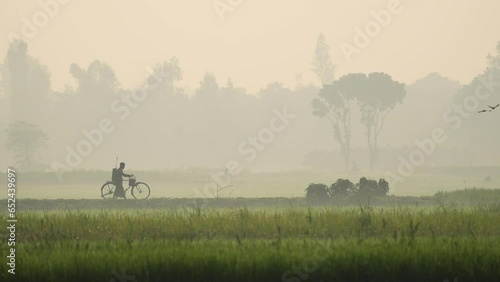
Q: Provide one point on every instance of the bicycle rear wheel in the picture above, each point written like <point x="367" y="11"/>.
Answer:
<point x="108" y="190"/>
<point x="140" y="191"/>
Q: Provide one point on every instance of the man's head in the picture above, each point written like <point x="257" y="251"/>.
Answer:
<point x="122" y="165"/>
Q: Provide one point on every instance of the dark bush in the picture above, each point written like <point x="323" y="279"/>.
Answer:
<point x="383" y="187"/>
<point x="317" y="191"/>
<point x="370" y="187"/>
<point x="342" y="188"/>
<point x="367" y="186"/>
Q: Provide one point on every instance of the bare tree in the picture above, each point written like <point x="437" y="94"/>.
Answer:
<point x="334" y="104"/>
<point x="376" y="94"/>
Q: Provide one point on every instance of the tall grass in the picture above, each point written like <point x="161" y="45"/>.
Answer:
<point x="260" y="260"/>
<point x="198" y="244"/>
<point x="198" y="223"/>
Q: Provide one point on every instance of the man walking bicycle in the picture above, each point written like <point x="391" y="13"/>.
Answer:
<point x="118" y="180"/>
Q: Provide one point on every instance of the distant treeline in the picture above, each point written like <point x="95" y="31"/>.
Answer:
<point x="158" y="123"/>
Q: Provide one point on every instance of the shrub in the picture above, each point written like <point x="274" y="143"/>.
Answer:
<point x="366" y="186"/>
<point x="342" y="188"/>
<point x="317" y="191"/>
<point x="383" y="187"/>
<point x="370" y="187"/>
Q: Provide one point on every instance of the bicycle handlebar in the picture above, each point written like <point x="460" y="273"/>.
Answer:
<point x="130" y="177"/>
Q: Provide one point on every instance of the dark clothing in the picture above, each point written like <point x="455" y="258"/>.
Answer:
<point x="120" y="175"/>
<point x="119" y="191"/>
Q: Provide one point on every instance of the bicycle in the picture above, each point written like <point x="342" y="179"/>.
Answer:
<point x="139" y="190"/>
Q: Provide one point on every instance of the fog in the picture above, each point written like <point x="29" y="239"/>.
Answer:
<point x="387" y="87"/>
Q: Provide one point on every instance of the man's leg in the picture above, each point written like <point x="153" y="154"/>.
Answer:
<point x="119" y="192"/>
<point x="123" y="192"/>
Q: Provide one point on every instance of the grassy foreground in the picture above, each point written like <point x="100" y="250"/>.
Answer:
<point x="403" y="259"/>
<point x="277" y="244"/>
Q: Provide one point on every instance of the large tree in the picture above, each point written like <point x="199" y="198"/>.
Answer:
<point x="376" y="95"/>
<point x="334" y="104"/>
<point x="322" y="64"/>
<point x="4" y="107"/>
<point x="478" y="131"/>
<point x="209" y="88"/>
<point x="2" y="91"/>
<point x="25" y="140"/>
<point x="274" y="94"/>
<point x="163" y="99"/>
<point x="96" y="87"/>
<point x="494" y="60"/>
<point x="26" y="83"/>
<point x="163" y="78"/>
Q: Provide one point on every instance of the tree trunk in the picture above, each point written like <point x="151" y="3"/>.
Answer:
<point x="370" y="147"/>
<point x="346" y="161"/>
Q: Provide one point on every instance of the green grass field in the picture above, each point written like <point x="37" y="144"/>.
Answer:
<point x="448" y="239"/>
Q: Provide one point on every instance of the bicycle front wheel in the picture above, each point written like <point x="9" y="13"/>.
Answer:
<point x="140" y="191"/>
<point x="108" y="190"/>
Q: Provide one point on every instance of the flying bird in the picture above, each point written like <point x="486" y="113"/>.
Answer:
<point x="482" y="111"/>
<point x="494" y="107"/>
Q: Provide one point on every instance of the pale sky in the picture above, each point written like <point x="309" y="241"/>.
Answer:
<point x="259" y="41"/>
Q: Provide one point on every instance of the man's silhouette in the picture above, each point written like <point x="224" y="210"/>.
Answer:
<point x="119" y="191"/>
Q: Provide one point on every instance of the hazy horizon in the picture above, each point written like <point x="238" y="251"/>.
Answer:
<point x="130" y="37"/>
<point x="411" y="77"/>
<point x="238" y="140"/>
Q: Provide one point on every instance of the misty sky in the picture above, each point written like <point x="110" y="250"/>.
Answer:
<point x="259" y="41"/>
